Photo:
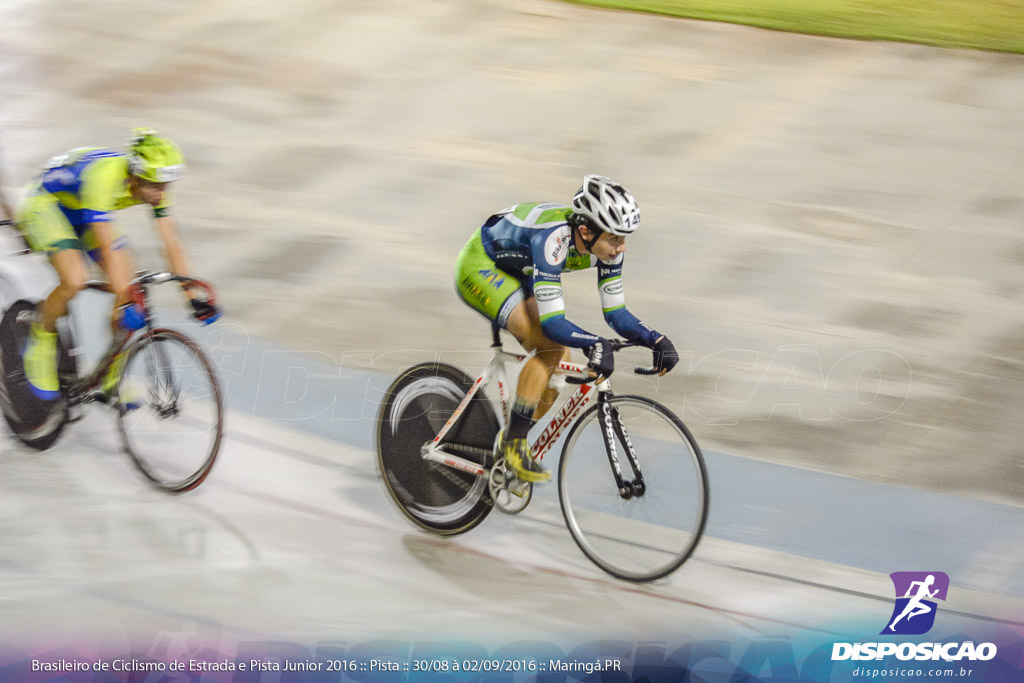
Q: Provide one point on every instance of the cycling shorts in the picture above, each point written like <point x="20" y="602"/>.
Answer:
<point x="47" y="228"/>
<point x="483" y="286"/>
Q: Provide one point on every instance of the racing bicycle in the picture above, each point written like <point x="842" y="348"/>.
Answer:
<point x="632" y="483"/>
<point x="167" y="397"/>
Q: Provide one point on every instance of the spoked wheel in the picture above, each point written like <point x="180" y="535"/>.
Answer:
<point x="435" y="497"/>
<point x="170" y="409"/>
<point x="647" y="533"/>
<point x="35" y="422"/>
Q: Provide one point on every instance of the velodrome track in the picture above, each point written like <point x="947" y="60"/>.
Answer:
<point x="293" y="538"/>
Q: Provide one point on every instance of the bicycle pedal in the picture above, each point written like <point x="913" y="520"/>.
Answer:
<point x="519" y="488"/>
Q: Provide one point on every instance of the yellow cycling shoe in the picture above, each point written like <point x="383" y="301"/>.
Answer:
<point x="129" y="397"/>
<point x="41" y="363"/>
<point x="520" y="460"/>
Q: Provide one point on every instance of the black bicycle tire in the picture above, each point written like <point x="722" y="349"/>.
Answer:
<point x="199" y="476"/>
<point x="41" y="430"/>
<point x="469" y="428"/>
<point x="698" y="457"/>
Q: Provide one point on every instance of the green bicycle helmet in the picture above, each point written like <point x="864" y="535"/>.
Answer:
<point x="154" y="158"/>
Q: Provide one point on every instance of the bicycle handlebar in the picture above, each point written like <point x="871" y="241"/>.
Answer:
<point x="144" y="278"/>
<point x="13" y="227"/>
<point x="617" y="345"/>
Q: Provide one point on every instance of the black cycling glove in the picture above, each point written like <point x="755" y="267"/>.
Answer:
<point x="205" y="312"/>
<point x="602" y="359"/>
<point x="665" y="356"/>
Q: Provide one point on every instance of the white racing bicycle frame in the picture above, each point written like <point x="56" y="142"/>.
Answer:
<point x="496" y="369"/>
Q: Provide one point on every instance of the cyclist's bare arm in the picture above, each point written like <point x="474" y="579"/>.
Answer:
<point x="174" y="253"/>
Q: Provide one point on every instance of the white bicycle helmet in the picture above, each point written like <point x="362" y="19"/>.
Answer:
<point x="609" y="206"/>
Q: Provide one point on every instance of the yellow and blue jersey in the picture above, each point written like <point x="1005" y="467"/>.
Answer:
<point x="90" y="183"/>
<point x="75" y="190"/>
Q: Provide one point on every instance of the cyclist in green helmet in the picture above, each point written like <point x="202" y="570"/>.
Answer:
<point x="68" y="213"/>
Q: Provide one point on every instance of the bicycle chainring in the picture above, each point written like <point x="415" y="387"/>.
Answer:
<point x="509" y="494"/>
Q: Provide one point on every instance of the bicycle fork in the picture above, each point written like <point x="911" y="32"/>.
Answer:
<point x="612" y="428"/>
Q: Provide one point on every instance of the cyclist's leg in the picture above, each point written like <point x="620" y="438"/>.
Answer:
<point x="47" y="230"/>
<point x="72" y="271"/>
<point x="117" y="264"/>
<point x="535" y="377"/>
<point x="497" y="296"/>
<point x="533" y="395"/>
<point x="118" y="267"/>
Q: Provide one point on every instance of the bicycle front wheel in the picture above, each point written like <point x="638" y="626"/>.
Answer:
<point x="648" y="535"/>
<point x="170" y="409"/>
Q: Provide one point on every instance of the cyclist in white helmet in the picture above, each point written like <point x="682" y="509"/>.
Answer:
<point x="511" y="272"/>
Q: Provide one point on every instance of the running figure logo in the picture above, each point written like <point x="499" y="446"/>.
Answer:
<point x="914" y="612"/>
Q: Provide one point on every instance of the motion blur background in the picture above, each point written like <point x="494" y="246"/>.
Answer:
<point x="833" y="229"/>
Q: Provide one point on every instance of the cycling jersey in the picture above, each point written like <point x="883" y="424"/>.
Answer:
<point x="525" y="249"/>
<point x="76" y="189"/>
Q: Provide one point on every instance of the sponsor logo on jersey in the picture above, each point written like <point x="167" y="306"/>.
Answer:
<point x="612" y="288"/>
<point x="547" y="293"/>
<point x="493" y="277"/>
<point x="474" y="291"/>
<point x="556" y="246"/>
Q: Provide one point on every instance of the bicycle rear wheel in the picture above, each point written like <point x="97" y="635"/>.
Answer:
<point x="433" y="496"/>
<point x="170" y="409"/>
<point x="646" y="536"/>
<point x="36" y="423"/>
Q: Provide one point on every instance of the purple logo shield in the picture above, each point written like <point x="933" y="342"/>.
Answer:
<point x="916" y="593"/>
